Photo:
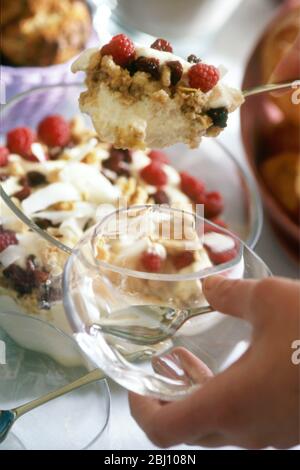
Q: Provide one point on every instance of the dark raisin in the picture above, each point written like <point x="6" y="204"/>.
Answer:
<point x="116" y="163"/>
<point x="43" y="223"/>
<point x="23" y="193"/>
<point x="31" y="263"/>
<point x="160" y="197"/>
<point x="54" y="153"/>
<point x="125" y="154"/>
<point x="4" y="176"/>
<point x="20" y="279"/>
<point x="35" y="178"/>
<point x="162" y="45"/>
<point x="193" y="59"/>
<point x="218" y="116"/>
<point x="147" y="65"/>
<point x="176" y="71"/>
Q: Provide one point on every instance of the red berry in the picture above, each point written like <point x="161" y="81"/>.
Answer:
<point x="214" y="204"/>
<point x="184" y="259"/>
<point x="121" y="48"/>
<point x="7" y="238"/>
<point x="152" y="262"/>
<point x="4" y="152"/>
<point x="158" y="156"/>
<point x="162" y="45"/>
<point x="191" y="186"/>
<point x="54" y="131"/>
<point x="154" y="174"/>
<point x="19" y="140"/>
<point x="223" y="257"/>
<point x="203" y="76"/>
<point x="210" y="228"/>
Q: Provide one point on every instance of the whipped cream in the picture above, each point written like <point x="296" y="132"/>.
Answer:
<point x="218" y="242"/>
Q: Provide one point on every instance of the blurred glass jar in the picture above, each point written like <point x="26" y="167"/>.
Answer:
<point x="173" y="19"/>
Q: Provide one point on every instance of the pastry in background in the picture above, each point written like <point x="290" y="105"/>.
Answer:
<point x="281" y="174"/>
<point x="275" y="46"/>
<point x="43" y="32"/>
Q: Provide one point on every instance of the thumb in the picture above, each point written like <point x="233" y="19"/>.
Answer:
<point x="230" y="296"/>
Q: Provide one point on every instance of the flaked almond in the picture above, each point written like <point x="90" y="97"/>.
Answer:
<point x="63" y="206"/>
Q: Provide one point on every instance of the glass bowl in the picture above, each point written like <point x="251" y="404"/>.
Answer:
<point x="37" y="358"/>
<point x="212" y="162"/>
<point x="108" y="286"/>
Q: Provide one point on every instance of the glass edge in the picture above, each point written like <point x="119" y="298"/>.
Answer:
<point x="70" y="338"/>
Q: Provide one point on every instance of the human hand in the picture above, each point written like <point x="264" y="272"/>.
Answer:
<point x="255" y="402"/>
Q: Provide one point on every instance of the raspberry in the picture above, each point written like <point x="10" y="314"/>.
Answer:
<point x="4" y="152"/>
<point x="193" y="59"/>
<point x="223" y="257"/>
<point x="192" y="187"/>
<point x="176" y="71"/>
<point x="147" y="65"/>
<point x="121" y="48"/>
<point x="7" y="238"/>
<point x="54" y="131"/>
<point x="154" y="174"/>
<point x="152" y="262"/>
<point x="158" y="156"/>
<point x="184" y="259"/>
<point x="19" y="140"/>
<point x="160" y="197"/>
<point x="210" y="228"/>
<point x="214" y="204"/>
<point x="162" y="45"/>
<point x="203" y="76"/>
<point x="219" y="116"/>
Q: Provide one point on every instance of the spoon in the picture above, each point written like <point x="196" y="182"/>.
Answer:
<point x="9" y="417"/>
<point x="270" y="87"/>
<point x="147" y="324"/>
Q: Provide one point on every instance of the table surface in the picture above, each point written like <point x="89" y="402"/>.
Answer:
<point x="246" y="24"/>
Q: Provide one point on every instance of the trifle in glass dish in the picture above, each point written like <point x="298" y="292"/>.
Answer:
<point x="135" y="281"/>
<point x="55" y="190"/>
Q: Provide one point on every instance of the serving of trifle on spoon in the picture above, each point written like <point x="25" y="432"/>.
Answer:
<point x="140" y="97"/>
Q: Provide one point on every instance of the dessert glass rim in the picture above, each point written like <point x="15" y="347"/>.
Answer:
<point x="72" y="339"/>
<point x="255" y="205"/>
<point x="201" y="274"/>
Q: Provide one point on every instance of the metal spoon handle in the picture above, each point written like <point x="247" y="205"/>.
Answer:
<point x="270" y="87"/>
<point x="93" y="376"/>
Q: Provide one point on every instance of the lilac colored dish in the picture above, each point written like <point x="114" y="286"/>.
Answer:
<point x="15" y="80"/>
